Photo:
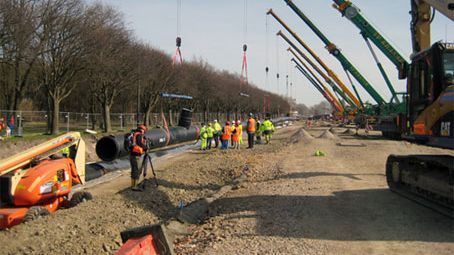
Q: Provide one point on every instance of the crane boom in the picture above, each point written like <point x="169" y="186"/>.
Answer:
<point x="330" y="72"/>
<point x="353" y="13"/>
<point x="329" y="81"/>
<point x="317" y="86"/>
<point x="339" y="106"/>
<point x="332" y="48"/>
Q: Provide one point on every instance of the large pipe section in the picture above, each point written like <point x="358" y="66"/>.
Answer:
<point x="111" y="147"/>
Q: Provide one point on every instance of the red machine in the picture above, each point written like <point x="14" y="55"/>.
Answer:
<point x="36" y="182"/>
<point x="146" y="240"/>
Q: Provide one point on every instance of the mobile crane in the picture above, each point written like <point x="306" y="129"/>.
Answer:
<point x="37" y="182"/>
<point x="336" y="52"/>
<point x="428" y="179"/>
<point x="386" y="113"/>
<point x="344" y="92"/>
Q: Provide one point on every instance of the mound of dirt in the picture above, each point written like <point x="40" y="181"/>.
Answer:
<point x="349" y="132"/>
<point x="327" y="135"/>
<point x="306" y="134"/>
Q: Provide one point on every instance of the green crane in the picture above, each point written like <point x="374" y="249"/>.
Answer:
<point x="332" y="48"/>
<point x="369" y="32"/>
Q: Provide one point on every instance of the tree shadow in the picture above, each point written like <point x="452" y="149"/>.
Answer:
<point x="373" y="214"/>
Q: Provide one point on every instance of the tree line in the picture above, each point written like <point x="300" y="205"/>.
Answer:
<point x="68" y="55"/>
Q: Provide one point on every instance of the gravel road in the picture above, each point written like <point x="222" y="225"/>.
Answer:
<point x="292" y="203"/>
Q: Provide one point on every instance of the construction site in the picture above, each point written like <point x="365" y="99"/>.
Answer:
<point x="109" y="144"/>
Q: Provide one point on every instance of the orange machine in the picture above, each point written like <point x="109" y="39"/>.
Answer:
<point x="38" y="181"/>
<point x="146" y="240"/>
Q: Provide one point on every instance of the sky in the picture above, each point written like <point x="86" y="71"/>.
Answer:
<point x="214" y="31"/>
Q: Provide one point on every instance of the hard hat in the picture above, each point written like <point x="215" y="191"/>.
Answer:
<point x="238" y="122"/>
<point x="227" y="122"/>
<point x="209" y="124"/>
<point x="215" y="120"/>
<point x="250" y="114"/>
<point x="143" y="127"/>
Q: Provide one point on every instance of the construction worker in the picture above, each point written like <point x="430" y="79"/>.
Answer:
<point x="137" y="150"/>
<point x="267" y="129"/>
<point x="217" y="133"/>
<point x="210" y="133"/>
<point x="250" y="128"/>
<point x="203" y="137"/>
<point x="258" y="132"/>
<point x="240" y="127"/>
<point x="225" y="138"/>
<point x="232" y="126"/>
<point x="236" y="134"/>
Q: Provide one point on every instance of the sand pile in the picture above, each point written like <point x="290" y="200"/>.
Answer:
<point x="349" y="131"/>
<point x="327" y="135"/>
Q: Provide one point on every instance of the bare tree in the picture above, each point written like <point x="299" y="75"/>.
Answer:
<point x="63" y="36"/>
<point x="112" y="65"/>
<point x="19" y="48"/>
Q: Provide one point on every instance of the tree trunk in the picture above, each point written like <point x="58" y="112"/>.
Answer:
<point x="55" y="116"/>
<point x="106" y="117"/>
<point x="170" y="118"/>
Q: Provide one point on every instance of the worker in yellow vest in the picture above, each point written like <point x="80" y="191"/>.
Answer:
<point x="217" y="133"/>
<point x="267" y="129"/>
<point x="203" y="137"/>
<point x="210" y="135"/>
<point x="240" y="127"/>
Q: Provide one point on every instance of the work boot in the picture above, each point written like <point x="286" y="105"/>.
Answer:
<point x="135" y="185"/>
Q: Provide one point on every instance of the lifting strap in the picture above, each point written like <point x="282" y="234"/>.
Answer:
<point x="177" y="56"/>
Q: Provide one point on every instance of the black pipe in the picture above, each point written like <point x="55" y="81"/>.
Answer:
<point x="111" y="147"/>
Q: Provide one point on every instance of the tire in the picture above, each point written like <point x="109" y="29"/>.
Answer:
<point x="35" y="212"/>
<point x="80" y="197"/>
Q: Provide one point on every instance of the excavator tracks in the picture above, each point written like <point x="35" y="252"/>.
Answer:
<point x="425" y="179"/>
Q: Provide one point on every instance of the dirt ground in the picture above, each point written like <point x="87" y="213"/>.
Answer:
<point x="292" y="203"/>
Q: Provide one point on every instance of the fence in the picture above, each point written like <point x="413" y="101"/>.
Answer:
<point x="36" y="122"/>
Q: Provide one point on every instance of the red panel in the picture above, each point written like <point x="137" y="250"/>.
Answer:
<point x="139" y="246"/>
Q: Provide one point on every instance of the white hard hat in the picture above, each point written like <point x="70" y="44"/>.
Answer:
<point x="215" y="120"/>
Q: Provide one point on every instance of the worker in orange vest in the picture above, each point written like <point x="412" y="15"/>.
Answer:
<point x="236" y="136"/>
<point x="225" y="138"/>
<point x="138" y="147"/>
<point x="250" y="128"/>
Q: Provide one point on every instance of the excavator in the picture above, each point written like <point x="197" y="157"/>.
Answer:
<point x="429" y="119"/>
<point x="39" y="180"/>
<point x="429" y="115"/>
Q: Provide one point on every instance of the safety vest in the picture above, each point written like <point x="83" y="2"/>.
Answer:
<point x="210" y="132"/>
<point x="217" y="127"/>
<point x="268" y="125"/>
<point x="236" y="135"/>
<point x="136" y="148"/>
<point x="240" y="129"/>
<point x="203" y="133"/>
<point x="227" y="133"/>
<point x="251" y="125"/>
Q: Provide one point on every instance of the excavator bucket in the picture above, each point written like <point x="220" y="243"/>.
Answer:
<point x="146" y="240"/>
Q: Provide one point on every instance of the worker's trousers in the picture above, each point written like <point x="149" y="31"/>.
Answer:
<point x="203" y="143"/>
<point x="136" y="170"/>
<point x="250" y="140"/>
<point x="209" y="141"/>
<point x="216" y="140"/>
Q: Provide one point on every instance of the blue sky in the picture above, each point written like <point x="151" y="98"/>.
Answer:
<point x="213" y="30"/>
